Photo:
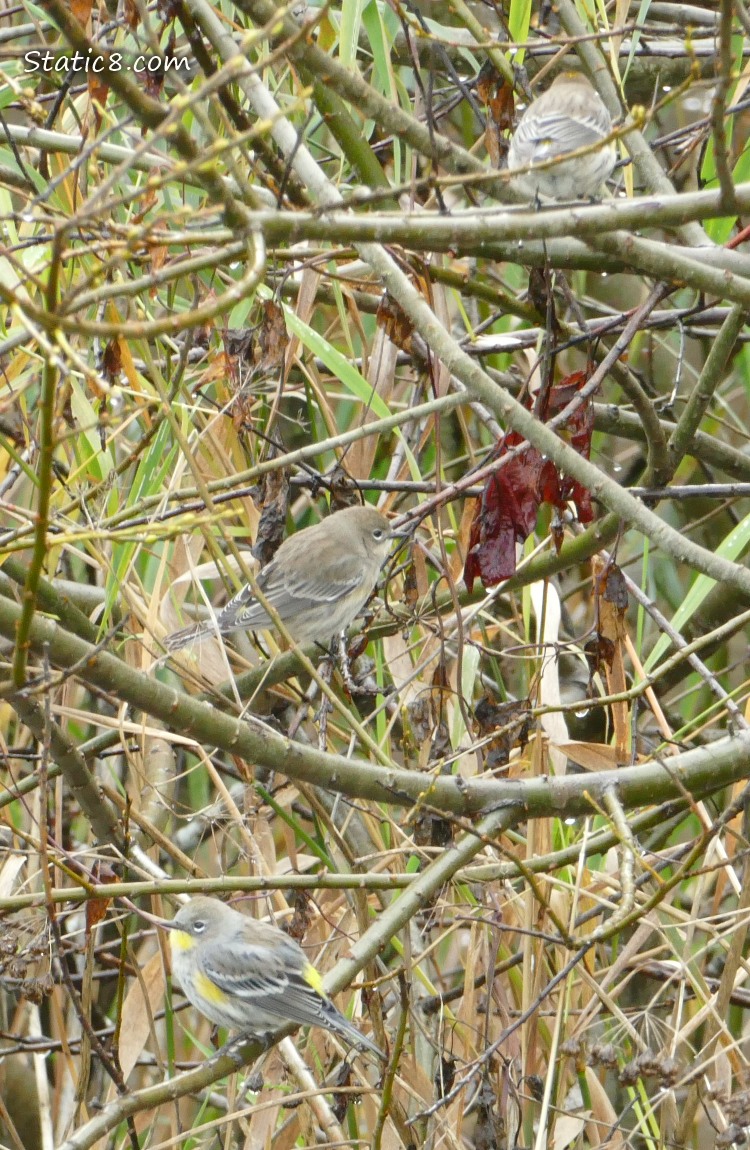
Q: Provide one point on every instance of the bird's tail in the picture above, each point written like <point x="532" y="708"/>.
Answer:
<point x="335" y="1021"/>
<point x="179" y="639"/>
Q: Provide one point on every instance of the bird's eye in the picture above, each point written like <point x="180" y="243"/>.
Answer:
<point x="199" y="926"/>
<point x="378" y="534"/>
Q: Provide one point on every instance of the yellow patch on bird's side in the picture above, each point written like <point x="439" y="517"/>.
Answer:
<point x="313" y="979"/>
<point x="208" y="989"/>
<point x="180" y="940"/>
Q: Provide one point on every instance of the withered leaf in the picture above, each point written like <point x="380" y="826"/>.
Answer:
<point x="398" y="327"/>
<point x="508" y="723"/>
<point x="508" y="507"/>
<point x="272" y="339"/>
<point x="615" y="589"/>
<point x="599" y="652"/>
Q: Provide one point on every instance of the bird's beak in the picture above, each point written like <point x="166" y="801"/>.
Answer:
<point x="162" y="923"/>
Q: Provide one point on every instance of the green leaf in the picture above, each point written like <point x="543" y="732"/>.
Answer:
<point x="719" y="230"/>
<point x="730" y="548"/>
<point x="153" y="467"/>
<point x="382" y="71"/>
<point x="351" y="19"/>
<point x="519" y="19"/>
<point x="315" y="847"/>
<point x="94" y="462"/>
<point x="10" y="161"/>
<point x="640" y="20"/>
<point x="469" y="672"/>
<point x="336" y="363"/>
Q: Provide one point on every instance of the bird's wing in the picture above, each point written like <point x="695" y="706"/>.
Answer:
<point x="555" y="134"/>
<point x="277" y="991"/>
<point x="340" y="578"/>
<point x="284" y="994"/>
<point x="290" y="593"/>
<point x="242" y="613"/>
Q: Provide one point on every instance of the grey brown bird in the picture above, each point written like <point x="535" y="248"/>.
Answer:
<point x="318" y="581"/>
<point x="249" y="976"/>
<point x="569" y="116"/>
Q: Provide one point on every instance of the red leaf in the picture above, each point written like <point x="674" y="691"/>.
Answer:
<point x="579" y="427"/>
<point x="509" y="504"/>
<point x="506" y="516"/>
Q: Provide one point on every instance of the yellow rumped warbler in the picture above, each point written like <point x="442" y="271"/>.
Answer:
<point x="318" y="581"/>
<point x="249" y="976"/>
<point x="570" y="115"/>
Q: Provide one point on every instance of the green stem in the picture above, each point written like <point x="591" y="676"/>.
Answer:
<point x="709" y="379"/>
<point x="699" y="771"/>
<point x="44" y="480"/>
<point x="424" y="887"/>
<point x="83" y="786"/>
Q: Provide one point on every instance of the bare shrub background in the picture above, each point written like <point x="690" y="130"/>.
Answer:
<point x="522" y="861"/>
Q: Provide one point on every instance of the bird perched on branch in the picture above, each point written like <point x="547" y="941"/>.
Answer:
<point x="318" y="581"/>
<point x="250" y="976"/>
<point x="568" y="117"/>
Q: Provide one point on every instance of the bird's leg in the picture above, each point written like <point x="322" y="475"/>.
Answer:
<point x="233" y="1048"/>
<point x="346" y="668"/>
<point x="253" y="1082"/>
<point x="326" y="674"/>
<point x="366" y="685"/>
<point x="304" y="707"/>
<point x="322" y="716"/>
<point x="358" y="671"/>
